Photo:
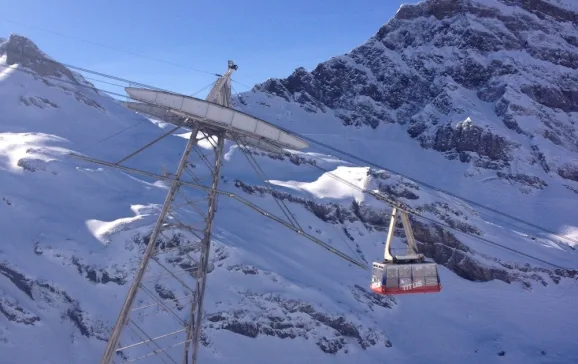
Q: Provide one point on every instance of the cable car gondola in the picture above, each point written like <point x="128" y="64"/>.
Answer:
<point x="402" y="274"/>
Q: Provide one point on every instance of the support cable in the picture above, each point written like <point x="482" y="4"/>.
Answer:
<point x="254" y="164"/>
<point x="148" y="145"/>
<point x="300" y="136"/>
<point x="375" y="165"/>
<point x="148" y="341"/>
<point x="233" y="196"/>
<point x="108" y="46"/>
<point x="393" y="203"/>
<point x="367" y="162"/>
<point x="310" y="237"/>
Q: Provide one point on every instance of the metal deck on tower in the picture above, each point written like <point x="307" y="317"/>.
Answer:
<point x="184" y="261"/>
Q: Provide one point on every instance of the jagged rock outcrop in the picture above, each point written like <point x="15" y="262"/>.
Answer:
<point x="92" y="273"/>
<point x="42" y="292"/>
<point x="569" y="171"/>
<point x="288" y="318"/>
<point x="16" y="313"/>
<point x="21" y="50"/>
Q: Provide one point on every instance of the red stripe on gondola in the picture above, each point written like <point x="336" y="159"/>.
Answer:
<point x="428" y="289"/>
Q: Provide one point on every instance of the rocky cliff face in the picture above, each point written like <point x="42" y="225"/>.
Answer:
<point x="485" y="82"/>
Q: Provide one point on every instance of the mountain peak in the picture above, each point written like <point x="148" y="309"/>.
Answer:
<point x="21" y="50"/>
<point x="559" y="10"/>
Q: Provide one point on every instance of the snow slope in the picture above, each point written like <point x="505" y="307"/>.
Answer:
<point x="72" y="234"/>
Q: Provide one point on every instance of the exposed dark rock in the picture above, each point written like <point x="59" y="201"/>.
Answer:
<point x="39" y="102"/>
<point x="75" y="315"/>
<point x="397" y="191"/>
<point x="441" y="9"/>
<point x="245" y="269"/>
<point x="46" y="292"/>
<point x="445" y="249"/>
<point x="540" y="158"/>
<point x="565" y="100"/>
<point x="88" y="328"/>
<point x="531" y="181"/>
<point x="450" y="216"/>
<point x="18" y="279"/>
<point x="166" y="294"/>
<point x="466" y="137"/>
<point x="416" y="129"/>
<point x="371" y="298"/>
<point x="175" y="241"/>
<point x="21" y="50"/>
<point x="15" y="313"/>
<point x="287" y="325"/>
<point x="327" y="212"/>
<point x="37" y="249"/>
<point x="246" y="328"/>
<point x="80" y="96"/>
<point x="542" y="8"/>
<point x="180" y="251"/>
<point x="99" y="275"/>
<point x="573" y="189"/>
<point x="292" y="157"/>
<point x="349" y="236"/>
<point x="553" y="137"/>
<point x="569" y="171"/>
<point x="492" y="92"/>
<point x="31" y="164"/>
<point x="332" y="345"/>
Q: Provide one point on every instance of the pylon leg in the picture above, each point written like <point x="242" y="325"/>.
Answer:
<point x="126" y="307"/>
<point x="194" y="329"/>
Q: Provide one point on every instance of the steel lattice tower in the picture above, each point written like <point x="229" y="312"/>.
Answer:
<point x="169" y="222"/>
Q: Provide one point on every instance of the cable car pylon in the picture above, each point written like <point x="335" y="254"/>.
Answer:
<point x="407" y="273"/>
<point x="184" y="263"/>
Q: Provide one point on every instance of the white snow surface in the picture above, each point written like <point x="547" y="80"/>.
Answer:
<point x="59" y="215"/>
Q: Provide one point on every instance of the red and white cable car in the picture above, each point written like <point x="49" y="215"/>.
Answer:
<point x="401" y="274"/>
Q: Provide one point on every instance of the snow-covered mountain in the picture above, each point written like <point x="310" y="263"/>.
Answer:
<point x="475" y="97"/>
<point x="490" y="83"/>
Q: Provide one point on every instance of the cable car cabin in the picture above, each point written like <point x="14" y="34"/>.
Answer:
<point x="388" y="278"/>
<point x="403" y="274"/>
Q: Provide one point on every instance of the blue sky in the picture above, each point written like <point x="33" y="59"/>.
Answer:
<point x="266" y="38"/>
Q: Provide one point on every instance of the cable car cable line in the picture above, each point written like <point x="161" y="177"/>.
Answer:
<point x="227" y="194"/>
<point x="375" y="165"/>
<point x="393" y="203"/>
<point x="253" y="162"/>
<point x="108" y="46"/>
<point x="308" y="139"/>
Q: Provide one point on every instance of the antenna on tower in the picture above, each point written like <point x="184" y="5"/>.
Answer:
<point x="184" y="262"/>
